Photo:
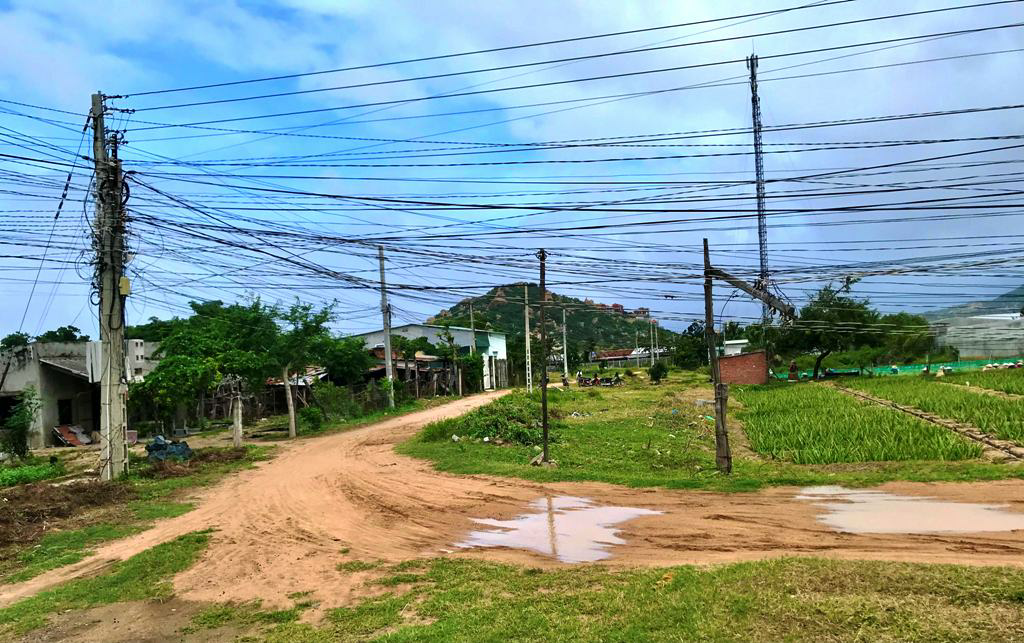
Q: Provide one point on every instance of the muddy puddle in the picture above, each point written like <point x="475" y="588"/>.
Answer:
<point x="567" y="528"/>
<point x="863" y="511"/>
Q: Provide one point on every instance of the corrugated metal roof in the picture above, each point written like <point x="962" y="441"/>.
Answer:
<point x="73" y="365"/>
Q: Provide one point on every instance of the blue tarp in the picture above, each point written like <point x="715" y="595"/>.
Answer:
<point x="161" y="449"/>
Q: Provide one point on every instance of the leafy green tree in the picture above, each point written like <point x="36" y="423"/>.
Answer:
<point x="14" y="437"/>
<point x="155" y="330"/>
<point x="15" y="340"/>
<point x="832" y="321"/>
<point x="690" y="350"/>
<point x="302" y="339"/>
<point x="63" y="334"/>
<point x="906" y="336"/>
<point x="346" y="360"/>
<point x="657" y="372"/>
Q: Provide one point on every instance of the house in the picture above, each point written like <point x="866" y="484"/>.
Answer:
<point x="66" y="377"/>
<point x="489" y="343"/>
<point x="998" y="335"/>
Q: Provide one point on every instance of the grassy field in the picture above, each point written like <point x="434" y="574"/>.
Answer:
<point x="811" y="424"/>
<point x="790" y="599"/>
<point x="642" y="435"/>
<point x="1009" y="381"/>
<point x="29" y="472"/>
<point x="1002" y="418"/>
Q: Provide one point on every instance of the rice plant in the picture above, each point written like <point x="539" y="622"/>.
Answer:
<point x="1003" y="418"/>
<point x="814" y="424"/>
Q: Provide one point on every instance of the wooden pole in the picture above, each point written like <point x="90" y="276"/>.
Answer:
<point x="544" y="359"/>
<point x="723" y="456"/>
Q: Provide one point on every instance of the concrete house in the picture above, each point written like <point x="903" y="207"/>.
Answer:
<point x="66" y="376"/>
<point x="489" y="343"/>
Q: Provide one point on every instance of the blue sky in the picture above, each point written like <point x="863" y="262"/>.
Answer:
<point x="58" y="53"/>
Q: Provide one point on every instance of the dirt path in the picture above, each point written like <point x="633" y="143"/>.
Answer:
<point x="281" y="527"/>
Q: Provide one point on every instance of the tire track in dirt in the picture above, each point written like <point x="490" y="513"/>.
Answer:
<point x="281" y="527"/>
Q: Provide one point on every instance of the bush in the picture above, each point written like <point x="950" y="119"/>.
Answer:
<point x="657" y="372"/>
<point x="630" y="373"/>
<point x="512" y="418"/>
<point x="337" y="402"/>
<point x="10" y="476"/>
<point x="14" y="437"/>
<point x="312" y="418"/>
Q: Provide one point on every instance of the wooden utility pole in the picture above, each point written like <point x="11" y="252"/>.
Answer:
<point x="113" y="286"/>
<point x="565" y="350"/>
<point x="544" y="359"/>
<point x="385" y="311"/>
<point x="526" y="326"/>
<point x="723" y="455"/>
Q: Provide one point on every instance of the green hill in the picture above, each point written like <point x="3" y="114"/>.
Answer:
<point x="1008" y="302"/>
<point x="591" y="326"/>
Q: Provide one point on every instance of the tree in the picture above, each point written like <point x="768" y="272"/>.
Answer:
<point x="907" y="336"/>
<point x="832" y="321"/>
<point x="304" y="336"/>
<point x="346" y="360"/>
<point x="155" y="330"/>
<point x="15" y="340"/>
<point x="63" y="334"/>
<point x="691" y="349"/>
<point x="657" y="372"/>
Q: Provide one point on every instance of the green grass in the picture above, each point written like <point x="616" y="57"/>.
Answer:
<point x="785" y="599"/>
<point x="1009" y="381"/>
<point x="60" y="548"/>
<point x="143" y="576"/>
<point x="1002" y="418"/>
<point x="641" y="435"/>
<point x="813" y="424"/>
<point x="33" y="472"/>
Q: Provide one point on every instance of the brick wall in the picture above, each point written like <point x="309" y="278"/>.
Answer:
<point x="748" y="368"/>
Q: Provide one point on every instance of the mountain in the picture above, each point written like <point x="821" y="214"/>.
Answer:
<point x="590" y="325"/>
<point x="1009" y="302"/>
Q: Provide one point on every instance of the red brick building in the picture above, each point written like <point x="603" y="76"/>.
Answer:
<point x="746" y="368"/>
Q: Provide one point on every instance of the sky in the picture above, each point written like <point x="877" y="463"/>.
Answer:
<point x="287" y="206"/>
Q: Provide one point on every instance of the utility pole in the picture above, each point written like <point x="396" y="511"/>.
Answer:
<point x="472" y="329"/>
<point x="652" y="342"/>
<point x="113" y="286"/>
<point x="636" y="349"/>
<point x="544" y="359"/>
<point x="657" y="340"/>
<point x="723" y="455"/>
<point x="385" y="311"/>
<point x="565" y="350"/>
<point x="526" y="314"/>
<point x="762" y="221"/>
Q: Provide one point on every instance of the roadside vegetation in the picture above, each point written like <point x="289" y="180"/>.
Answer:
<point x="1008" y="381"/>
<point x="819" y="425"/>
<point x="29" y="470"/>
<point x="645" y="435"/>
<point x="1003" y="418"/>
<point x="788" y="599"/>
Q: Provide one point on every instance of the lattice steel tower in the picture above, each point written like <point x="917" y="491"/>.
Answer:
<point x="762" y="223"/>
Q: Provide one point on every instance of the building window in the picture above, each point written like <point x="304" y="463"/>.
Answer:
<point x="138" y="371"/>
<point x="64" y="412"/>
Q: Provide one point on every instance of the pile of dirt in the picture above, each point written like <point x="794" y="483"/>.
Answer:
<point x="27" y="510"/>
<point x="177" y="468"/>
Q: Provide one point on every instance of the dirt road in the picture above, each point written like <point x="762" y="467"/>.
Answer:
<point x="282" y="527"/>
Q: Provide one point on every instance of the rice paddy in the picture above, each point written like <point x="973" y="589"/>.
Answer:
<point x="813" y="424"/>
<point x="1003" y="418"/>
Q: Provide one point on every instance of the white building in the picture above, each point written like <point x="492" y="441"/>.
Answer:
<point x="983" y="336"/>
<point x="734" y="346"/>
<point x="489" y="343"/>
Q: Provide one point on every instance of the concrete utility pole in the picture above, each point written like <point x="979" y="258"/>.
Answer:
<point x="385" y="311"/>
<point x="236" y="425"/>
<point x="526" y="314"/>
<point x="113" y="286"/>
<point x="472" y="330"/>
<point x="636" y="349"/>
<point x="565" y="350"/>
<point x="657" y="340"/>
<point x="544" y="359"/>
<point x="652" y="342"/>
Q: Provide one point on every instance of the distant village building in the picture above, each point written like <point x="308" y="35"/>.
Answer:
<point x="489" y="343"/>
<point x="734" y="346"/>
<point x="66" y="376"/>
<point x="993" y="336"/>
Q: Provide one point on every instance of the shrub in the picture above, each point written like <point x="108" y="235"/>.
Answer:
<point x="14" y="437"/>
<point x="657" y="372"/>
<point x="512" y="418"/>
<point x="630" y="373"/>
<point x="312" y="418"/>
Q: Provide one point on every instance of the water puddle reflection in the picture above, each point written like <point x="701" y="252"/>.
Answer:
<point x="862" y="511"/>
<point x="573" y="530"/>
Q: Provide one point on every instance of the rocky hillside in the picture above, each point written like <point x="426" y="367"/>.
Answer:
<point x="1009" y="302"/>
<point x="591" y="325"/>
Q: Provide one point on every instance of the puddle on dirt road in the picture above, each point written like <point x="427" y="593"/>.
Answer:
<point x="861" y="511"/>
<point x="570" y="529"/>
